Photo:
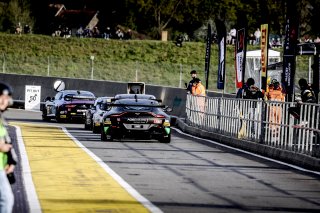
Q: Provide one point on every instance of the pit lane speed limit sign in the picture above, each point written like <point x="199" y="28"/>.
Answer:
<point x="32" y="97"/>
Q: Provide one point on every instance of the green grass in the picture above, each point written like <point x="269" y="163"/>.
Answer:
<point x="153" y="62"/>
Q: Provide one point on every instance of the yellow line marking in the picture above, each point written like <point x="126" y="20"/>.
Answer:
<point x="67" y="179"/>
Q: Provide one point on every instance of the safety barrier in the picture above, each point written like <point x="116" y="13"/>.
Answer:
<point x="266" y="122"/>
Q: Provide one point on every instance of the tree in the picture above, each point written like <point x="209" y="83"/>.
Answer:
<point x="15" y="12"/>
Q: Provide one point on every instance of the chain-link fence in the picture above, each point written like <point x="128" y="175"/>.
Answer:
<point x="98" y="68"/>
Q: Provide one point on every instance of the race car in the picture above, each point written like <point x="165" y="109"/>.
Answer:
<point x="136" y="118"/>
<point x="93" y="117"/>
<point x="68" y="105"/>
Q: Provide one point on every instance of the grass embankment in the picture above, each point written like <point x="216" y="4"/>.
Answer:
<point x="153" y="62"/>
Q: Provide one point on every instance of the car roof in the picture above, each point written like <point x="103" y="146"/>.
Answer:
<point x="133" y="96"/>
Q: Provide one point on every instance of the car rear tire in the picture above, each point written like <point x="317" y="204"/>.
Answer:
<point x="86" y="126"/>
<point x="95" y="129"/>
<point x="165" y="139"/>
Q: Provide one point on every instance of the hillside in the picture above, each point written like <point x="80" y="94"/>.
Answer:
<point x="153" y="62"/>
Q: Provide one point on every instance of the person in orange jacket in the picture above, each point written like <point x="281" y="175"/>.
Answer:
<point x="197" y="88"/>
<point x="199" y="91"/>
<point x="276" y="94"/>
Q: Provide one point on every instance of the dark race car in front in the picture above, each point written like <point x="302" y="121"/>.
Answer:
<point x="68" y="105"/>
<point x="137" y="119"/>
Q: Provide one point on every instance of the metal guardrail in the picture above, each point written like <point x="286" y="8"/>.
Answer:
<point x="266" y="122"/>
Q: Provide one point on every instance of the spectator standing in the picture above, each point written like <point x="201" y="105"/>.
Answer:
<point x="26" y="29"/>
<point x="257" y="35"/>
<point x="107" y="34"/>
<point x="307" y="96"/>
<point x="128" y="35"/>
<point x="119" y="34"/>
<point x="275" y="93"/>
<point x="189" y="86"/>
<point x="6" y="154"/>
<point x="95" y="32"/>
<point x="251" y="92"/>
<point x="233" y="33"/>
<point x="251" y="39"/>
<point x="198" y="89"/>
<point x="80" y="32"/>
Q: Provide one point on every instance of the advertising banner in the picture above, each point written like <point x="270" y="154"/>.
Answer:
<point x="32" y="97"/>
<point x="221" y="29"/>
<point x="289" y="57"/>
<point x="208" y="55"/>
<point x="240" y="56"/>
<point x="264" y="55"/>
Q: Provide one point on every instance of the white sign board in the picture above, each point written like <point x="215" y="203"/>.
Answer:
<point x="32" y="97"/>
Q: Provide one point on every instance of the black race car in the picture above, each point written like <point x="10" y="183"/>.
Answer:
<point x="68" y="105"/>
<point x="94" y="115"/>
<point x="136" y="118"/>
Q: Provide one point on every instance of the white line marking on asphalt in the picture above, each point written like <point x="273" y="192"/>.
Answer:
<point x="249" y="153"/>
<point x="146" y="203"/>
<point x="32" y="197"/>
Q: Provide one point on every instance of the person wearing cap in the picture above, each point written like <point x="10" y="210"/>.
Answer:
<point x="189" y="86"/>
<point x="275" y="93"/>
<point x="6" y="167"/>
<point x="199" y="91"/>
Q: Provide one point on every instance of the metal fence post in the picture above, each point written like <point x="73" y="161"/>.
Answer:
<point x="48" y="73"/>
<point x="263" y="121"/>
<point x="4" y="64"/>
<point x="180" y="79"/>
<point x="92" y="58"/>
<point x="136" y="71"/>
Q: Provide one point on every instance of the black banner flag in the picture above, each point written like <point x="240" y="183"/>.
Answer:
<point x="289" y="51"/>
<point x="221" y="29"/>
<point x="208" y="54"/>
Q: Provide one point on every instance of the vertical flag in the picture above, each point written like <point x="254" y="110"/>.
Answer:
<point x="264" y="55"/>
<point x="316" y="69"/>
<point x="240" y="54"/>
<point x="221" y="29"/>
<point x="289" y="52"/>
<point x="208" y="54"/>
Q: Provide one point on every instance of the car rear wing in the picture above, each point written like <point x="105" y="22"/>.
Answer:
<point x="78" y="97"/>
<point x="164" y="107"/>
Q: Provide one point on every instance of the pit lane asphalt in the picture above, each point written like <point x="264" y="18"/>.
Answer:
<point x="189" y="175"/>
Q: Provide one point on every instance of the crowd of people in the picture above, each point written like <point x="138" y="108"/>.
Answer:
<point x="95" y="32"/>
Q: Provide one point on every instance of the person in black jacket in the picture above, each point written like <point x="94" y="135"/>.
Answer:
<point x="249" y="91"/>
<point x="193" y="74"/>
<point x="307" y="96"/>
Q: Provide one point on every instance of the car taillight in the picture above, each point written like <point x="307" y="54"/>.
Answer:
<point x="156" y="115"/>
<point x="117" y="115"/>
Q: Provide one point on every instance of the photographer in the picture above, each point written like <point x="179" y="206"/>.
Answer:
<point x="7" y="155"/>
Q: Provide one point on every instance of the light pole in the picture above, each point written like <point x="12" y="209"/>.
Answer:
<point x="92" y="58"/>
